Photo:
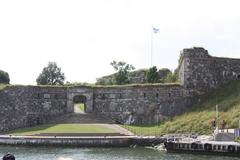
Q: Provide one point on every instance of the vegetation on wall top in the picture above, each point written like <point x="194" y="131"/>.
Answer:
<point x="4" y="77"/>
<point x="51" y="75"/>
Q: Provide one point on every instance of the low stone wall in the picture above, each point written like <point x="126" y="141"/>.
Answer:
<point x="118" y="141"/>
<point x="109" y="141"/>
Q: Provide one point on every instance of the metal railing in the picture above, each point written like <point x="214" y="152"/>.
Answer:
<point x="178" y="137"/>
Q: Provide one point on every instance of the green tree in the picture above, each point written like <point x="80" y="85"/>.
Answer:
<point x="107" y="80"/>
<point x="152" y="75"/>
<point x="4" y="77"/>
<point x="122" y="75"/>
<point x="172" y="77"/>
<point x="163" y="72"/>
<point x="51" y="75"/>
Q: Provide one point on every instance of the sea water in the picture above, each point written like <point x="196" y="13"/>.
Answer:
<point x="138" y="153"/>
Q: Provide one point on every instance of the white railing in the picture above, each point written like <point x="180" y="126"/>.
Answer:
<point x="178" y="137"/>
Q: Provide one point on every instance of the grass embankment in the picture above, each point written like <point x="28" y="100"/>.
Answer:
<point x="198" y="118"/>
<point x="2" y="86"/>
<point x="63" y="128"/>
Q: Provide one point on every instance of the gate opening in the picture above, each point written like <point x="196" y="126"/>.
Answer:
<point x="79" y="102"/>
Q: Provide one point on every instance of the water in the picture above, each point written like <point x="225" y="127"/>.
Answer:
<point x="52" y="153"/>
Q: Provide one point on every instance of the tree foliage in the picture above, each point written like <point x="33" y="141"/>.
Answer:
<point x="123" y="69"/>
<point x="51" y="75"/>
<point x="163" y="72"/>
<point x="172" y="77"/>
<point x="4" y="77"/>
<point x="106" y="80"/>
<point x="152" y="75"/>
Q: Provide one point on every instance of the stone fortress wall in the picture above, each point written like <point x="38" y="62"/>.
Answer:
<point x="141" y="104"/>
<point x="200" y="72"/>
<point x="23" y="106"/>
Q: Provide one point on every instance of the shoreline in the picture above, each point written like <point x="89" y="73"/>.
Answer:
<point x="81" y="141"/>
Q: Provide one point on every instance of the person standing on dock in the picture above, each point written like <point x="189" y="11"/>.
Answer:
<point x="213" y="124"/>
<point x="223" y="125"/>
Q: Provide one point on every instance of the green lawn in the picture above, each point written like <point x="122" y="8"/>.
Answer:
<point x="198" y="119"/>
<point x="63" y="128"/>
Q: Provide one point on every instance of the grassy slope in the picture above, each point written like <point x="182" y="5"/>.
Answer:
<point x="2" y="86"/>
<point x="63" y="128"/>
<point x="198" y="119"/>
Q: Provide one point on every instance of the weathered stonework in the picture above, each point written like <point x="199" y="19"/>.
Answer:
<point x="200" y="72"/>
<point x="146" y="104"/>
<point x="23" y="106"/>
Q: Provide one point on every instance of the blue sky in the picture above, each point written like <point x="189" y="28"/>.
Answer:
<point x="83" y="37"/>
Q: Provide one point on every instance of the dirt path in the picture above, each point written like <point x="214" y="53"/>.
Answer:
<point x="117" y="128"/>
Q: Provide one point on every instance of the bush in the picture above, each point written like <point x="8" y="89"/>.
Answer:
<point x="152" y="75"/>
<point x="4" y="77"/>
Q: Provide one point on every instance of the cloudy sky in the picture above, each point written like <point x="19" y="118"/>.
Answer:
<point x="84" y="36"/>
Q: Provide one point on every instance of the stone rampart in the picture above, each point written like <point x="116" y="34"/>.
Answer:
<point x="145" y="104"/>
<point x="200" y="72"/>
<point x="24" y="106"/>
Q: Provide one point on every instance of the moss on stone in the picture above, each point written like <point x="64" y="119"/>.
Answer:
<point x="4" y="86"/>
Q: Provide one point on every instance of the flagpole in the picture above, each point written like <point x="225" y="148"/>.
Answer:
<point x="151" y="43"/>
<point x="217" y="115"/>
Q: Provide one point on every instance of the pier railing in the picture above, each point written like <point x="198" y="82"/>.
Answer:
<point x="177" y="137"/>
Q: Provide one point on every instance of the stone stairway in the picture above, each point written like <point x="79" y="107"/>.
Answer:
<point x="81" y="118"/>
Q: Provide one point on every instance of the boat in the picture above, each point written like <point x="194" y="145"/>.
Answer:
<point x="225" y="148"/>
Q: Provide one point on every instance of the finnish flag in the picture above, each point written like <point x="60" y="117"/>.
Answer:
<point x="155" y="30"/>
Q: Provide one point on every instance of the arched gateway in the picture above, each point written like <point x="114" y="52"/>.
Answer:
<point x="80" y="95"/>
<point x="80" y="103"/>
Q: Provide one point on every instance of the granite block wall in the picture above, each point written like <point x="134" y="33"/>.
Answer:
<point x="24" y="106"/>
